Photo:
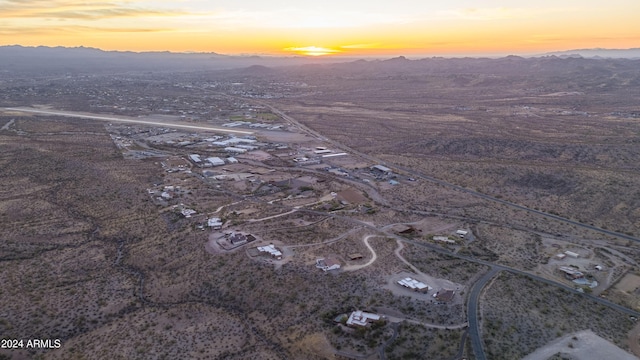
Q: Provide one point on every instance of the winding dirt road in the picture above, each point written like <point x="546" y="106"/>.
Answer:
<point x="371" y="261"/>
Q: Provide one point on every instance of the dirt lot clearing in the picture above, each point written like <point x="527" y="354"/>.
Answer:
<point x="629" y="283"/>
<point x="583" y="345"/>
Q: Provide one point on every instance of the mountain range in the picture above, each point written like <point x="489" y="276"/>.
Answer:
<point x="64" y="60"/>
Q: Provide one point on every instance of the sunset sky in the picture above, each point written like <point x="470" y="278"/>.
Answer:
<point x="328" y="27"/>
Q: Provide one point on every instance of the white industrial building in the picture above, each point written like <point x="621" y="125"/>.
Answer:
<point x="571" y="272"/>
<point x="444" y="239"/>
<point x="572" y="254"/>
<point x="462" y="233"/>
<point x="234" y="141"/>
<point x="235" y="150"/>
<point x="361" y="318"/>
<point x="214" y="223"/>
<point x="381" y="168"/>
<point x="232" y="160"/>
<point x="334" y="155"/>
<point x="271" y="250"/>
<point x="236" y="123"/>
<point x="215" y="161"/>
<point x="327" y="264"/>
<point x="322" y="151"/>
<point x="187" y="212"/>
<point x="414" y="284"/>
<point x="195" y="158"/>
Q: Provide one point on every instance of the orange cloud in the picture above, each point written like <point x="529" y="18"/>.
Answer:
<point x="246" y="27"/>
<point x="65" y="9"/>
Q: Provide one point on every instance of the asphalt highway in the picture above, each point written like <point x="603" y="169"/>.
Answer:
<point x="128" y="120"/>
<point x="472" y="313"/>
<point x="474" y="294"/>
<point x="420" y="175"/>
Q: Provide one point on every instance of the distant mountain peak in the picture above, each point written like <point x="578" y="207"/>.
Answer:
<point x="600" y="53"/>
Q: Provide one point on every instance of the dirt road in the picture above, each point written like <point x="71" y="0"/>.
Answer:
<point x="371" y="261"/>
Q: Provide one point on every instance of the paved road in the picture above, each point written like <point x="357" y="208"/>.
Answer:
<point x="472" y="313"/>
<point x="445" y="183"/>
<point x="473" y="301"/>
<point x="128" y="120"/>
<point x="443" y="251"/>
<point x="514" y="205"/>
<point x="474" y="296"/>
<point x="472" y="304"/>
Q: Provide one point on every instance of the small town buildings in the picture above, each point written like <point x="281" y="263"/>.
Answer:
<point x="444" y="239"/>
<point x="572" y="254"/>
<point x="237" y="239"/>
<point x="338" y="172"/>
<point x="214" y="223"/>
<point x="235" y="150"/>
<point x="561" y="256"/>
<point x="236" y="123"/>
<point x="233" y="240"/>
<point x="195" y="158"/>
<point x="361" y="318"/>
<point x="271" y="250"/>
<point x="232" y="160"/>
<point x="304" y="161"/>
<point x="246" y="147"/>
<point x="187" y="212"/>
<point x="571" y="273"/>
<point x="355" y="256"/>
<point x="414" y="285"/>
<point x="327" y="264"/>
<point x="234" y="141"/>
<point x="381" y="169"/>
<point x="322" y="151"/>
<point x="215" y="161"/>
<point x="462" y="233"/>
<point x="334" y="155"/>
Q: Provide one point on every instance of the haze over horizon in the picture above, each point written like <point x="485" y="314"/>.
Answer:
<point x="374" y="28"/>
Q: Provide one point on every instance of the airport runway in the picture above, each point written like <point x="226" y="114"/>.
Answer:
<point x="128" y="120"/>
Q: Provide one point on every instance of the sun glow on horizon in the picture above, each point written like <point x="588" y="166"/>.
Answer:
<point x="312" y="50"/>
<point x="337" y="28"/>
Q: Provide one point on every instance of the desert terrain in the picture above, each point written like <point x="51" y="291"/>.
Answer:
<point x="257" y="212"/>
